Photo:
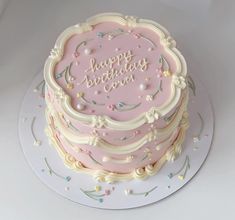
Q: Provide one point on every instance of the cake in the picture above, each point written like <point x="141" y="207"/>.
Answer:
<point x="116" y="97"/>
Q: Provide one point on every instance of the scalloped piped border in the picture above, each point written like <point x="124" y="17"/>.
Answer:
<point x="111" y="177"/>
<point x="105" y="121"/>
<point x="123" y="149"/>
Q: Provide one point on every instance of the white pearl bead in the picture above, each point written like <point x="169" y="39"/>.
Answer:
<point x="104" y="134"/>
<point x="80" y="106"/>
<point x="143" y="86"/>
<point x="87" y="51"/>
<point x="105" y="159"/>
<point x="97" y="92"/>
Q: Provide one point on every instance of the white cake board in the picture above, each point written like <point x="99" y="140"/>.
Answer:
<point x="68" y="183"/>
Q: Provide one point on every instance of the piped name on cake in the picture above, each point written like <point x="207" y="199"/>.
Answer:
<point x="125" y="64"/>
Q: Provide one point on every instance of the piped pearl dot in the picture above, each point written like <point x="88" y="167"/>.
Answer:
<point x="76" y="63"/>
<point x="105" y="159"/>
<point x="142" y="86"/>
<point x="97" y="92"/>
<point x="71" y="78"/>
<point x="80" y="106"/>
<point x="159" y="75"/>
<point x="150" y="49"/>
<point x="87" y="51"/>
<point x="117" y="49"/>
<point x="158" y="148"/>
<point x="104" y="134"/>
<point x="137" y="132"/>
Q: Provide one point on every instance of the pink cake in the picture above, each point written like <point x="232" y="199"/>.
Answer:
<point x="116" y="97"/>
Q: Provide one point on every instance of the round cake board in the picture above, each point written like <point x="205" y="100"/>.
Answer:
<point x="82" y="188"/>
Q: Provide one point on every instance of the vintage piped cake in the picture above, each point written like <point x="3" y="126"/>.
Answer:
<point x="116" y="96"/>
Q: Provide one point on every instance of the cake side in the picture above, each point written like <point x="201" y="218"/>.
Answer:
<point x="107" y="155"/>
<point x="110" y="177"/>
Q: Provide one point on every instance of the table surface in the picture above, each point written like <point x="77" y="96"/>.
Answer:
<point x="204" y="31"/>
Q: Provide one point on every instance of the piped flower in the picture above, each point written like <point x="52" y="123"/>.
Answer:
<point x="137" y="35"/>
<point x="111" y="107"/>
<point x="70" y="85"/>
<point x="151" y="115"/>
<point x="167" y="73"/>
<point x="37" y="143"/>
<point x="149" y="98"/>
<point x="110" y="37"/>
<point x="107" y="192"/>
<point x="80" y="94"/>
<point x="181" y="177"/>
<point x="75" y="54"/>
<point x="97" y="188"/>
<point x="179" y="81"/>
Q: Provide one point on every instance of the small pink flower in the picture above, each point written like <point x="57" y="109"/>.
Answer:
<point x="159" y="69"/>
<point x="111" y="107"/>
<point x="107" y="192"/>
<point x="75" y="54"/>
<point x="136" y="35"/>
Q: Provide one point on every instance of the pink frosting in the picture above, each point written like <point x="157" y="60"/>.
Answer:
<point x="142" y="43"/>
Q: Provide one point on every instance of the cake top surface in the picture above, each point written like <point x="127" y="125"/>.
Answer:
<point x="118" y="67"/>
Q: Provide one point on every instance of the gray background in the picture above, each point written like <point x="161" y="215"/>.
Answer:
<point x="204" y="31"/>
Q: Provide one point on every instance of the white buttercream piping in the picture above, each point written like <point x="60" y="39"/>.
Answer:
<point x="165" y="40"/>
<point x="123" y="149"/>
